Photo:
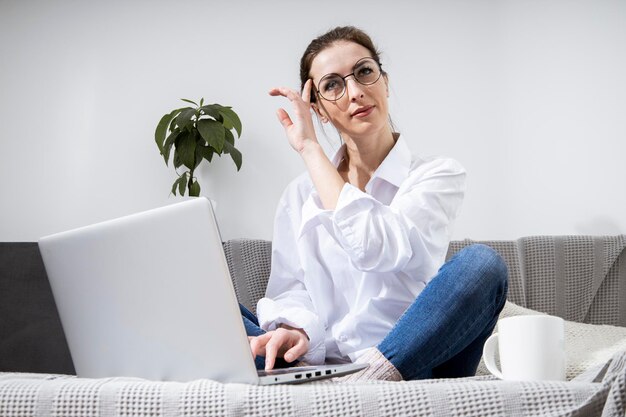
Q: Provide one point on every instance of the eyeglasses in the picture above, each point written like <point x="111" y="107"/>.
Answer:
<point x="333" y="86"/>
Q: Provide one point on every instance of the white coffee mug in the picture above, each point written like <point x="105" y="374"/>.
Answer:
<point x="531" y="348"/>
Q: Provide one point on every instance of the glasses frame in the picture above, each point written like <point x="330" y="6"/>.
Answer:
<point x="345" y="84"/>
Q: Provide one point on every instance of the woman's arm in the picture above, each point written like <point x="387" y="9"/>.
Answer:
<point x="302" y="138"/>
<point x="414" y="229"/>
<point x="287" y="312"/>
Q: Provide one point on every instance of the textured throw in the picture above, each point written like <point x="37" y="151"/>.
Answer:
<point x="579" y="278"/>
<point x="586" y="345"/>
<point x="48" y="395"/>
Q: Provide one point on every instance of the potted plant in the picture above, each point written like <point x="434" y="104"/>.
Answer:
<point x="197" y="133"/>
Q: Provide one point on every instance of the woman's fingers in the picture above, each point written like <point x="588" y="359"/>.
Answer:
<point x="306" y="91"/>
<point x="271" y="349"/>
<point x="276" y="91"/>
<point x="298" y="126"/>
<point x="257" y="344"/>
<point x="281" y="341"/>
<point x="289" y="344"/>
<point x="285" y="92"/>
<point x="283" y="118"/>
<point x="270" y="357"/>
<point x="295" y="352"/>
<point x="269" y="345"/>
<point x="294" y="96"/>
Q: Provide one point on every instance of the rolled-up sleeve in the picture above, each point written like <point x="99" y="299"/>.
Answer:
<point x="414" y="228"/>
<point x="286" y="299"/>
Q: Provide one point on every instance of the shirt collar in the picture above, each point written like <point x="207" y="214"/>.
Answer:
<point x="395" y="167"/>
<point x="336" y="160"/>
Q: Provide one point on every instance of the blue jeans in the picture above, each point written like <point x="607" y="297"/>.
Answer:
<point x="441" y="335"/>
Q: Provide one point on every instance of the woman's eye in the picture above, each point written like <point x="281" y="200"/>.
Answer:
<point x="365" y="71"/>
<point x="331" y="85"/>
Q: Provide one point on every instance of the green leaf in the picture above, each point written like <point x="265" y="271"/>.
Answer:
<point x="182" y="183"/>
<point x="161" y="129"/>
<point x="229" y="138"/>
<point x="231" y="119"/>
<point x="186" y="149"/>
<point x="167" y="146"/>
<point x="213" y="133"/>
<point x="212" y="110"/>
<point x="185" y="118"/>
<point x="234" y="153"/>
<point x="189" y="101"/>
<point x="197" y="157"/>
<point x="203" y="151"/>
<point x="195" y="189"/>
<point x="201" y="101"/>
<point x="173" y="123"/>
<point x="176" y="185"/>
<point x="179" y="138"/>
<point x="177" y="160"/>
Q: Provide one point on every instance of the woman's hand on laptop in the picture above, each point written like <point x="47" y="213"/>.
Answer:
<point x="285" y="342"/>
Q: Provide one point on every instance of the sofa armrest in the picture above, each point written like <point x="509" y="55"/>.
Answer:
<point x="31" y="336"/>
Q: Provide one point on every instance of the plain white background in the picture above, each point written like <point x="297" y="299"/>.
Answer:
<point x="530" y="96"/>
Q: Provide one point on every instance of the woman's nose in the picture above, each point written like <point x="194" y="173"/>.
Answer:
<point x="354" y="89"/>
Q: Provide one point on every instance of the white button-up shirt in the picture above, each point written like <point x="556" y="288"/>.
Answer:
<point x="346" y="275"/>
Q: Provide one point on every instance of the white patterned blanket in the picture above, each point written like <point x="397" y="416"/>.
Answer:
<point x="598" y="393"/>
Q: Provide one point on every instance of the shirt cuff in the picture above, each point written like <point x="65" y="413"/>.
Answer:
<point x="350" y="201"/>
<point x="347" y="222"/>
<point x="313" y="213"/>
<point x="271" y="315"/>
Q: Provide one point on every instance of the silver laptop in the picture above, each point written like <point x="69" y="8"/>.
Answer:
<point x="150" y="296"/>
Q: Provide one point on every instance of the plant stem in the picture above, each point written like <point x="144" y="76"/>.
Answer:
<point x="190" y="182"/>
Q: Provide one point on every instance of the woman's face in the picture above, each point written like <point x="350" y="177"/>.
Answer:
<point x="363" y="109"/>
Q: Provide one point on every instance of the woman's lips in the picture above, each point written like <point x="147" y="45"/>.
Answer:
<point x="363" y="111"/>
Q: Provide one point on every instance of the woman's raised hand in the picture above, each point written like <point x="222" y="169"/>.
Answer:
<point x="301" y="135"/>
<point x="300" y="128"/>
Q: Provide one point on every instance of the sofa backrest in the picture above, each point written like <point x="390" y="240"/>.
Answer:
<point x="249" y="261"/>
<point x="579" y="278"/>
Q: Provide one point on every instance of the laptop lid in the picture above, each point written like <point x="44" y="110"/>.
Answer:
<point x="150" y="296"/>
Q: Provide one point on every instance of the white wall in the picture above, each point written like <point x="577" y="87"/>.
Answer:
<point x="529" y="95"/>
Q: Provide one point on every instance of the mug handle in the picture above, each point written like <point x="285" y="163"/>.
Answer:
<point x="489" y="354"/>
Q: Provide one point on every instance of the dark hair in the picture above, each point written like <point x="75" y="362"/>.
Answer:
<point x="341" y="33"/>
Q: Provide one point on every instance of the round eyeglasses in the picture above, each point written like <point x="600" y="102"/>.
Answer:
<point x="333" y="86"/>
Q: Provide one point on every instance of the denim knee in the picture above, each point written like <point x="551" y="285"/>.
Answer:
<point x="492" y="266"/>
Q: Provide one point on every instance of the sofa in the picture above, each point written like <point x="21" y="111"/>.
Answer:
<point x="580" y="278"/>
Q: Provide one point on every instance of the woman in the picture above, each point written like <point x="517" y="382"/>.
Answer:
<point x="360" y="239"/>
